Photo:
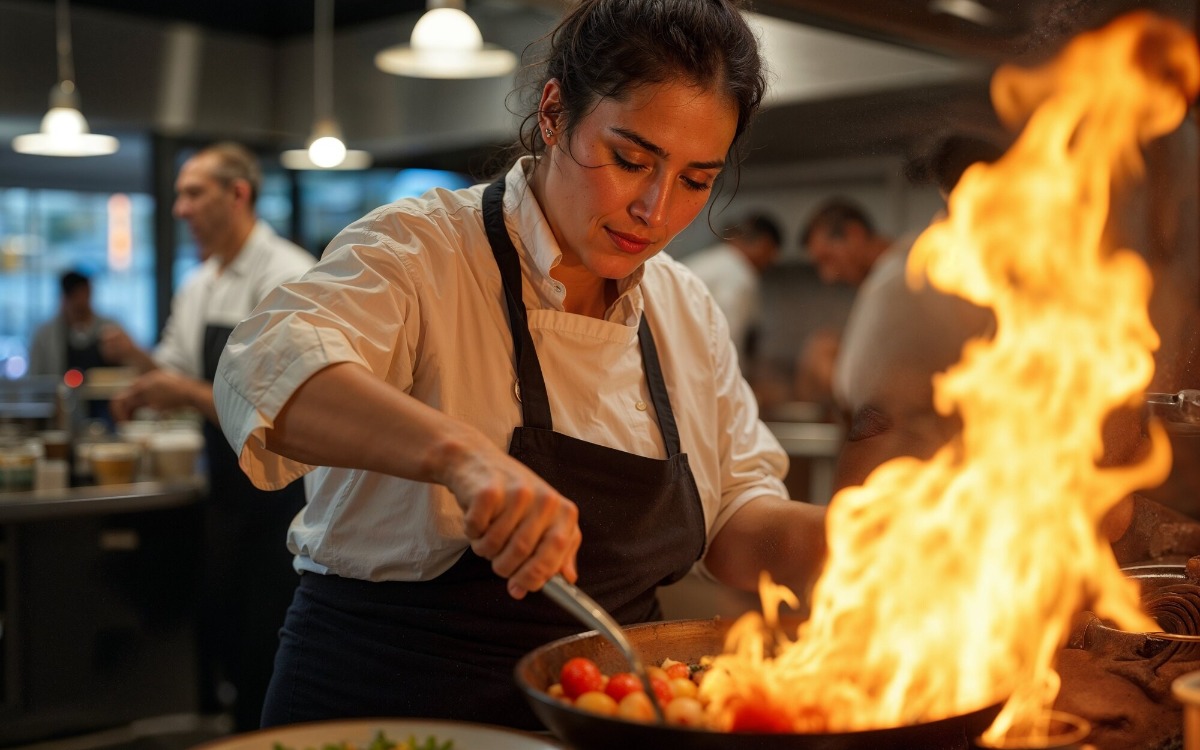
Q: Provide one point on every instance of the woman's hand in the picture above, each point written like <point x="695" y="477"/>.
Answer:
<point x="514" y="518"/>
<point x="163" y="390"/>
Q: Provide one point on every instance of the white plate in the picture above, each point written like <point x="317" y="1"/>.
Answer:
<point x="311" y="736"/>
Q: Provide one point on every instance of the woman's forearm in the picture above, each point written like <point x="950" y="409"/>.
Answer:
<point x="784" y="537"/>
<point x="344" y="416"/>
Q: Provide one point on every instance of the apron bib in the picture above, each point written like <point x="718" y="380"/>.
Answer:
<point x="447" y="647"/>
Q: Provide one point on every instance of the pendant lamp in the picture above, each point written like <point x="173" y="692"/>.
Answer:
<point x="64" y="132"/>
<point x="325" y="147"/>
<point x="446" y="43"/>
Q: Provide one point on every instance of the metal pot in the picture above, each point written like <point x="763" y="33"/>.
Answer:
<point x="688" y="641"/>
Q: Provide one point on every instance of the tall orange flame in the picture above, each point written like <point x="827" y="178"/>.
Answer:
<point x="950" y="583"/>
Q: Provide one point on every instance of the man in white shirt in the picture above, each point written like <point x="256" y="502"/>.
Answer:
<point x="731" y="271"/>
<point x="840" y="239"/>
<point x="248" y="576"/>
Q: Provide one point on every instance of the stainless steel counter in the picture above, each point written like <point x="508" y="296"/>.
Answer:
<point x="40" y="505"/>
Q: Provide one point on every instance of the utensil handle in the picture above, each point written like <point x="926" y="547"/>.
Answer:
<point x="588" y="611"/>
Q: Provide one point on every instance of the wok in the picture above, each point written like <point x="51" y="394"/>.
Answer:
<point x="687" y="641"/>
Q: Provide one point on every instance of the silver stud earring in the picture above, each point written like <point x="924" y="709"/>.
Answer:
<point x="549" y="133"/>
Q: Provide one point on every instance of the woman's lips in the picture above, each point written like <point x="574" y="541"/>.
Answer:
<point x="627" y="243"/>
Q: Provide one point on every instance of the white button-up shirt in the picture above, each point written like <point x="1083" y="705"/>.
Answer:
<point x="212" y="296"/>
<point x="412" y="292"/>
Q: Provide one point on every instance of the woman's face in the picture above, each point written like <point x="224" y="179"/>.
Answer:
<point x="632" y="173"/>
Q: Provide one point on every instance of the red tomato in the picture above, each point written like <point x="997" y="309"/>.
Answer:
<point x="662" y="690"/>
<point x="679" y="671"/>
<point x="580" y="675"/>
<point x="622" y="684"/>
<point x="759" y="717"/>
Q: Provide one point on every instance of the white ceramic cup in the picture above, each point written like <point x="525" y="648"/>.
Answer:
<point x="174" y="453"/>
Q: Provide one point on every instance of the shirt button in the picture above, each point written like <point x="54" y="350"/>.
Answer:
<point x="641" y="405"/>
<point x="558" y="288"/>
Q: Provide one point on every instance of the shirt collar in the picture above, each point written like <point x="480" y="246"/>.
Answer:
<point x="241" y="262"/>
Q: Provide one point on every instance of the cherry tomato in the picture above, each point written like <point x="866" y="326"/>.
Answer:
<point x="597" y="703"/>
<point x="662" y="690"/>
<point x="636" y="707"/>
<point x="759" y="717"/>
<point x="679" y="671"/>
<point x="580" y="675"/>
<point x="622" y="684"/>
<point x="685" y="712"/>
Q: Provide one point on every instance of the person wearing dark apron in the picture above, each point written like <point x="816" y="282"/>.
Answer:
<point x="443" y="495"/>
<point x="247" y="578"/>
<point x="631" y="508"/>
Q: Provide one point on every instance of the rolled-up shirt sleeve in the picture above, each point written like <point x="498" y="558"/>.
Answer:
<point x="733" y="455"/>
<point x="353" y="306"/>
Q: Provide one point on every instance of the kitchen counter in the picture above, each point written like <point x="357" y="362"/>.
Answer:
<point x="97" y="606"/>
<point x="40" y="505"/>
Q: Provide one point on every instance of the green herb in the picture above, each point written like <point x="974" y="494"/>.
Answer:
<point x="430" y="743"/>
<point x="381" y="742"/>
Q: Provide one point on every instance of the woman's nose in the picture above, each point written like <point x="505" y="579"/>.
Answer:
<point x="651" y="204"/>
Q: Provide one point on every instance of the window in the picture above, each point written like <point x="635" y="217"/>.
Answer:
<point x="44" y="233"/>
<point x="332" y="200"/>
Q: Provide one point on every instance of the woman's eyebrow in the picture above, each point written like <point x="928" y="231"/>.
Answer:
<point x="660" y="152"/>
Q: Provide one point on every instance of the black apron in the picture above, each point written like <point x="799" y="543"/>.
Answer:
<point x="84" y="358"/>
<point x="446" y="647"/>
<point x="247" y="576"/>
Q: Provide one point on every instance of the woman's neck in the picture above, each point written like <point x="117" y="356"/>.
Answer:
<point x="586" y="293"/>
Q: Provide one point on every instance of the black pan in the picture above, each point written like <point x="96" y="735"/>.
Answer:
<point x="687" y="641"/>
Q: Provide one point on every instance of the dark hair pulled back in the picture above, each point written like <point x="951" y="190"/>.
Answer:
<point x="605" y="48"/>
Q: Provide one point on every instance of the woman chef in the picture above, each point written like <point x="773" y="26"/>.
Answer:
<point x="510" y="381"/>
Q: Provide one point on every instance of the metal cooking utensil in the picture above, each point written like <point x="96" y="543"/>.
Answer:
<point x="1173" y="637"/>
<point x="1180" y="412"/>
<point x="589" y="612"/>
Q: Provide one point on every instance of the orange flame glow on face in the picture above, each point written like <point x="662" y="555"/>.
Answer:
<point x="950" y="583"/>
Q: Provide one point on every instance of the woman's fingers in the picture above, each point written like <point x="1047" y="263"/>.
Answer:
<point x="519" y="522"/>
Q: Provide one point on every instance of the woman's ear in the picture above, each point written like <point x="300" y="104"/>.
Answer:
<point x="550" y="117"/>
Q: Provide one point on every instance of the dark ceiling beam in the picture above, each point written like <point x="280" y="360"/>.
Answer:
<point x="908" y="23"/>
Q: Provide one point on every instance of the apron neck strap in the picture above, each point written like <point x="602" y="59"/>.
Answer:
<point x="531" y="386"/>
<point x="535" y="404"/>
<point x="658" y="388"/>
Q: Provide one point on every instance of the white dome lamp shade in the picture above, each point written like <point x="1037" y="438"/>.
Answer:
<point x="446" y="43"/>
<point x="64" y="131"/>
<point x="326" y="149"/>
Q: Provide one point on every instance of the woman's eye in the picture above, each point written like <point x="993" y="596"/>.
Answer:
<point x="695" y="184"/>
<point x="625" y="164"/>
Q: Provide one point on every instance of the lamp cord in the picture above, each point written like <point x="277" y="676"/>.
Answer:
<point x="322" y="59"/>
<point x="66" y="68"/>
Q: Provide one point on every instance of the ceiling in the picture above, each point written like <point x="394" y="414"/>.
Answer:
<point x="1001" y="29"/>
<point x="272" y="19"/>
<point x="890" y="121"/>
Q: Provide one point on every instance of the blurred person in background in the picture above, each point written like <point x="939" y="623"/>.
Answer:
<point x="840" y="239"/>
<point x="248" y="577"/>
<point x="731" y="271"/>
<point x="71" y="339"/>
<point x="896" y="338"/>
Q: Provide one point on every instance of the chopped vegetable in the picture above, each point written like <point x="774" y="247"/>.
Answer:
<point x="381" y="742"/>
